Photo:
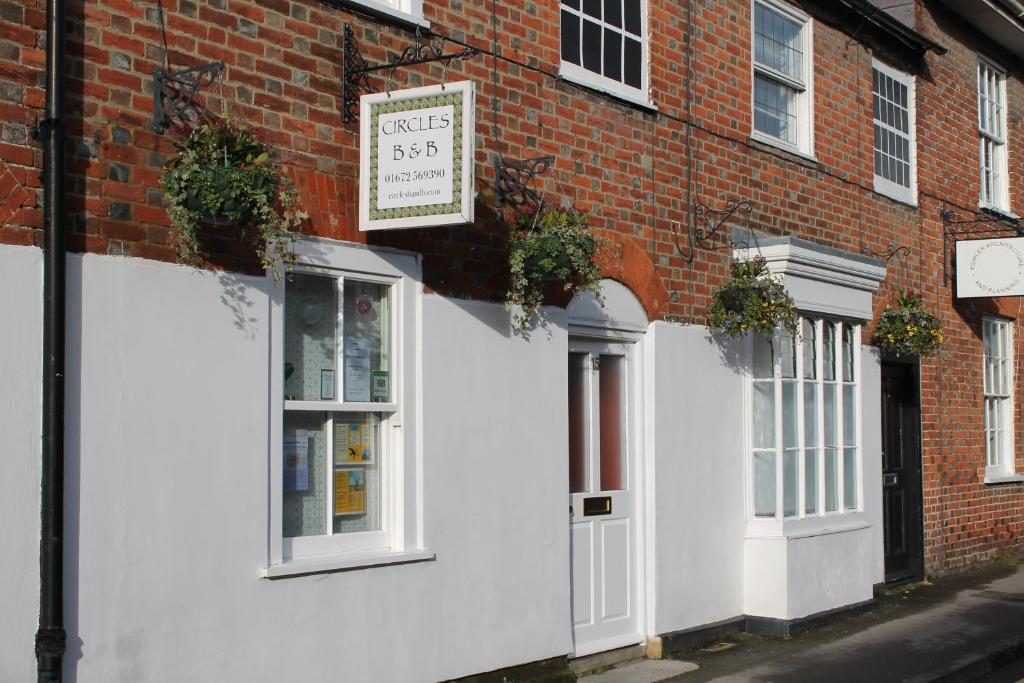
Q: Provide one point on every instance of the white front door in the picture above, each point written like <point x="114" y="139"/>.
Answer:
<point x="601" y="496"/>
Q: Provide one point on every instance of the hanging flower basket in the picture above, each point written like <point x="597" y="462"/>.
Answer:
<point x="908" y="328"/>
<point x="551" y="246"/>
<point x="222" y="177"/>
<point x="752" y="300"/>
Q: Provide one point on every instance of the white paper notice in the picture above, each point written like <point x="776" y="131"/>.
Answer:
<point x="357" y="369"/>
<point x="415" y="152"/>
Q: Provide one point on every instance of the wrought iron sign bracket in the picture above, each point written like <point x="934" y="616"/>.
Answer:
<point x="514" y="179"/>
<point x="707" y="223"/>
<point x="953" y="227"/>
<point x="355" y="80"/>
<point x="889" y="253"/>
<point x="174" y="92"/>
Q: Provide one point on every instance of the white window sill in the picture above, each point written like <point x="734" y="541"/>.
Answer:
<point x="580" y="76"/>
<point x="338" y="563"/>
<point x="998" y="211"/>
<point x="758" y="136"/>
<point x="1004" y="479"/>
<point x="386" y="11"/>
<point x="895" y="192"/>
<point x="808" y="527"/>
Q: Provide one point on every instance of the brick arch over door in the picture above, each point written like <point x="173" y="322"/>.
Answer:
<point x="627" y="263"/>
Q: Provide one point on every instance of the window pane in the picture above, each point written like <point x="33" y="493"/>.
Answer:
<point x="613" y="54"/>
<point x="850" y="478"/>
<point x="303" y="477"/>
<point x="831" y="415"/>
<point x="849" y="415"/>
<point x="577" y="422"/>
<point x="787" y="344"/>
<point x="790" y="483"/>
<point x="610" y="378"/>
<point x="764" y="484"/>
<point x="790" y="415"/>
<point x="764" y="415"/>
<point x="811" y="415"/>
<point x="632" y="60"/>
<point x="591" y="47"/>
<point x="828" y="351"/>
<point x="775" y="109"/>
<point x="613" y="12"/>
<point x="763" y="358"/>
<point x="592" y="8"/>
<point x="367" y="327"/>
<point x="831" y="480"/>
<point x="777" y="42"/>
<point x="310" y="342"/>
<point x="356" y="489"/>
<point x="847" y="353"/>
<point x="810" y="350"/>
<point x="570" y="37"/>
<point x="811" y="481"/>
<point x="632" y="11"/>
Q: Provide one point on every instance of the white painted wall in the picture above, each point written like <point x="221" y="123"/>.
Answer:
<point x="168" y="396"/>
<point x="21" y="353"/>
<point x="698" y="479"/>
<point x="871" y="433"/>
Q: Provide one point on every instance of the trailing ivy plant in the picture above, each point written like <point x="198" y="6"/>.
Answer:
<point x="908" y="328"/>
<point x="752" y="300"/>
<point x="550" y="246"/>
<point x="222" y="176"/>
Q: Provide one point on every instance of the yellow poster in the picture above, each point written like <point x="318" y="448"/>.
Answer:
<point x="349" y="492"/>
<point x="353" y="442"/>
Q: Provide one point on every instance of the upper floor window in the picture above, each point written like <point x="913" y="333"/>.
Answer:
<point x="782" y="75"/>
<point x="992" y="127"/>
<point x="997" y="344"/>
<point x="604" y="46"/>
<point x="893" y="107"/>
<point x="805" y="431"/>
<point x="408" y="11"/>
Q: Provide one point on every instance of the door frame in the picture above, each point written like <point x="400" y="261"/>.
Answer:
<point x="637" y="472"/>
<point x="912" y="368"/>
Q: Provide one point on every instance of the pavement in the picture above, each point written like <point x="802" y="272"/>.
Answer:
<point x="964" y="628"/>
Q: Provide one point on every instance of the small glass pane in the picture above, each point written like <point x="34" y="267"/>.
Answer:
<point x="632" y="12"/>
<point x="828" y="351"/>
<point x="764" y="484"/>
<point x="764" y="415"/>
<point x="850" y="478"/>
<point x="811" y="481"/>
<point x="592" y="8"/>
<point x="847" y="353"/>
<point x="810" y="349"/>
<point x="613" y="12"/>
<point x="787" y="344"/>
<point x="632" y="63"/>
<point x="366" y="326"/>
<point x="831" y="415"/>
<point x="612" y="54"/>
<point x="592" y="46"/>
<point x="310" y="339"/>
<point x="577" y="422"/>
<point x="831" y="480"/>
<point x="790" y="415"/>
<point x="811" y="415"/>
<point x="356" y="487"/>
<point x="613" y="478"/>
<point x="790" y="483"/>
<point x="570" y="37"/>
<point x="849" y="415"/>
<point x="303" y="477"/>
<point x="763" y="359"/>
<point x="775" y="109"/>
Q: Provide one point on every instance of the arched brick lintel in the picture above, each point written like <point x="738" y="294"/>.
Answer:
<point x="626" y="262"/>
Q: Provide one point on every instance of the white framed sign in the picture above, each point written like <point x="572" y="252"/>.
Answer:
<point x="416" y="157"/>
<point x="990" y="267"/>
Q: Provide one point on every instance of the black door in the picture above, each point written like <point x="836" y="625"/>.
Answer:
<point x="901" y="473"/>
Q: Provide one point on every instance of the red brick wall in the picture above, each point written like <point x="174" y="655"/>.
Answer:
<point x="625" y="166"/>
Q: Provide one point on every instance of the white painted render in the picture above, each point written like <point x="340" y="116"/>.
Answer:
<point x="167" y="495"/>
<point x="21" y="339"/>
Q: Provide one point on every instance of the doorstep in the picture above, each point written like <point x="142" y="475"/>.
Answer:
<point x="642" y="671"/>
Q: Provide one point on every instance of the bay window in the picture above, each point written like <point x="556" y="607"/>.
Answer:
<point x="997" y="345"/>
<point x="805" y="441"/>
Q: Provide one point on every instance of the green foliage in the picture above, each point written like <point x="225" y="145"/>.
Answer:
<point x="752" y="300"/>
<point x="551" y="246"/>
<point x="222" y="176"/>
<point x="908" y="328"/>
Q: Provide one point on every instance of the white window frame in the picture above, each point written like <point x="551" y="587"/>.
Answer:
<point x="585" y="77"/>
<point x="999" y="465"/>
<point x="995" y="140"/>
<point x="804" y="89"/>
<point x="400" y="537"/>
<point x="405" y="11"/>
<point x="884" y="185"/>
<point x="844" y="513"/>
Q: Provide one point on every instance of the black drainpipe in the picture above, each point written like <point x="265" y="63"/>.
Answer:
<point x="50" y="638"/>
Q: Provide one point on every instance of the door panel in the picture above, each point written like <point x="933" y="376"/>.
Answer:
<point x="901" y="473"/>
<point x="601" y="498"/>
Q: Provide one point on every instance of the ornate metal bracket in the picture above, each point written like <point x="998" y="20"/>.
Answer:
<point x="174" y="92"/>
<point x="993" y="224"/>
<point x="355" y="79"/>
<point x="707" y="223"/>
<point x="887" y="254"/>
<point x="513" y="182"/>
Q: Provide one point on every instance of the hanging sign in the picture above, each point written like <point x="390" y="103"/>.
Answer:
<point x="416" y="157"/>
<point x="992" y="267"/>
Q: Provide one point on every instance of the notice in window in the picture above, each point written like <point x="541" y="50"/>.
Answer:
<point x="357" y="368"/>
<point x="349" y="492"/>
<point x="296" y="461"/>
<point x="353" y="443"/>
